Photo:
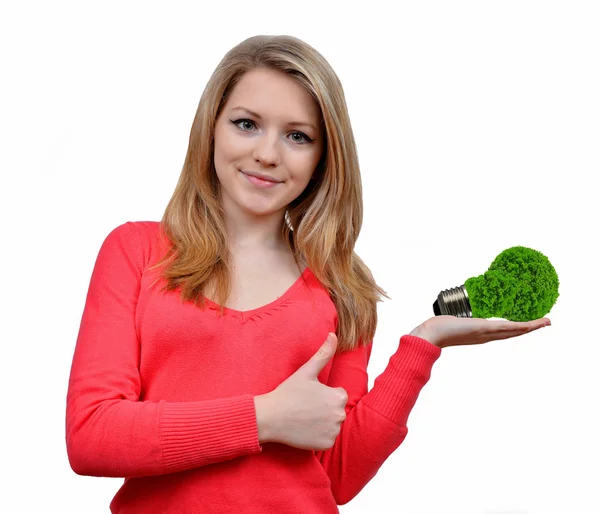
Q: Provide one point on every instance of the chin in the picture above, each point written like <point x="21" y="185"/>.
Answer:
<point x="256" y="207"/>
<point x="260" y="211"/>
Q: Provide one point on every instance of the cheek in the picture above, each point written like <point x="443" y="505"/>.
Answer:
<point x="221" y="144"/>
<point x="304" y="167"/>
<point x="224" y="151"/>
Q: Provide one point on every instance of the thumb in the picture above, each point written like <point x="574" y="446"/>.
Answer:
<point x="320" y="359"/>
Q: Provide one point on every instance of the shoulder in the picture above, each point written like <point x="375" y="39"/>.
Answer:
<point x="144" y="238"/>
<point x="135" y="231"/>
<point x="144" y="228"/>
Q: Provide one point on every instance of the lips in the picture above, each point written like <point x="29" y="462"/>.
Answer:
<point x="261" y="176"/>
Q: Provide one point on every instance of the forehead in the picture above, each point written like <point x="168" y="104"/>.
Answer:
<point x="273" y="94"/>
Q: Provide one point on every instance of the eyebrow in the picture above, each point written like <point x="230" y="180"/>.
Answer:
<point x="256" y="115"/>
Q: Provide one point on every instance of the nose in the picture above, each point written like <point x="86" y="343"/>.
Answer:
<point x="266" y="151"/>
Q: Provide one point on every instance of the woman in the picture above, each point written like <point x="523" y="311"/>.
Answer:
<point x="200" y="372"/>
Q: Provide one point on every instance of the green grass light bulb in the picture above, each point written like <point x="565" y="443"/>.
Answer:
<point x="520" y="285"/>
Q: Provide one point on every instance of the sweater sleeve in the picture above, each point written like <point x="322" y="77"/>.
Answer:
<point x="109" y="431"/>
<point x="375" y="423"/>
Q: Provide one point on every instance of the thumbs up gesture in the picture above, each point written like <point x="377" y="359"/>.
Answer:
<point x="301" y="411"/>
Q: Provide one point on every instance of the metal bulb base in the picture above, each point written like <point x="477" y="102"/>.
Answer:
<point x="453" y="302"/>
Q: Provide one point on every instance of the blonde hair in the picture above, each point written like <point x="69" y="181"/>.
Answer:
<point x="321" y="226"/>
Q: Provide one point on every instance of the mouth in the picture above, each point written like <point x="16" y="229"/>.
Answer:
<point x="260" y="180"/>
<point x="260" y="176"/>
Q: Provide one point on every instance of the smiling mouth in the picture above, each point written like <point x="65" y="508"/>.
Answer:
<point x="258" y="176"/>
<point x="259" y="182"/>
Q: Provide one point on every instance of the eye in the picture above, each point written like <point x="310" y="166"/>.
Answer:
<point x="242" y="121"/>
<point x="302" y="135"/>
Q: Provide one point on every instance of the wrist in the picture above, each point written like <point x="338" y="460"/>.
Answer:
<point x="264" y="419"/>
<point x="422" y="333"/>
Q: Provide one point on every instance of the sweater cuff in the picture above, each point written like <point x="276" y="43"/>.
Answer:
<point x="395" y="391"/>
<point x="194" y="434"/>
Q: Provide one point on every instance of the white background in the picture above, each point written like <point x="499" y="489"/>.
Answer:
<point x="477" y="125"/>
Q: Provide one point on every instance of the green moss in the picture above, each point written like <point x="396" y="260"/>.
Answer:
<point x="520" y="285"/>
<point x="491" y="294"/>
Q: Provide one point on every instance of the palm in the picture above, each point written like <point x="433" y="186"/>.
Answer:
<point x="452" y="331"/>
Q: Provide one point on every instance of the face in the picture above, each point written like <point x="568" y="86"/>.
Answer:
<point x="281" y="139"/>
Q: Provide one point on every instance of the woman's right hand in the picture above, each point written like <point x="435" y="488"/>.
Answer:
<point x="302" y="412"/>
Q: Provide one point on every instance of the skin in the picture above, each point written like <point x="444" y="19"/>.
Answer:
<point x="271" y="146"/>
<point x="444" y="331"/>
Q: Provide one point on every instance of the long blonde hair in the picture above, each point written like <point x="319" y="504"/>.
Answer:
<point x="321" y="226"/>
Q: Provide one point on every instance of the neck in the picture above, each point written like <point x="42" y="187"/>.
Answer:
<point x="246" y="231"/>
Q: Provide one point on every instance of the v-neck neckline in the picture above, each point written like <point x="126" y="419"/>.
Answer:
<point x="248" y="313"/>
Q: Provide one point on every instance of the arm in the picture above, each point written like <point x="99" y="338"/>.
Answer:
<point x="375" y="424"/>
<point x="109" y="432"/>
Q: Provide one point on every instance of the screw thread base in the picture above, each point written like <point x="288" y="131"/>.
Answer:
<point x="453" y="302"/>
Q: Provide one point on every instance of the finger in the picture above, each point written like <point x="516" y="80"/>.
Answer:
<point x="320" y="359"/>
<point x="519" y="327"/>
<point x="508" y="335"/>
<point x="509" y="326"/>
<point x="538" y="323"/>
<point x="523" y="328"/>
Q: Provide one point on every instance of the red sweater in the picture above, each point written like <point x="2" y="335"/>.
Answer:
<point x="162" y="394"/>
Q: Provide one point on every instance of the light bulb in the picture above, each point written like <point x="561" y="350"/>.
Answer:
<point x="520" y="285"/>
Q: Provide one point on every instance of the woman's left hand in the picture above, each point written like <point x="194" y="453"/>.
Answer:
<point x="447" y="330"/>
